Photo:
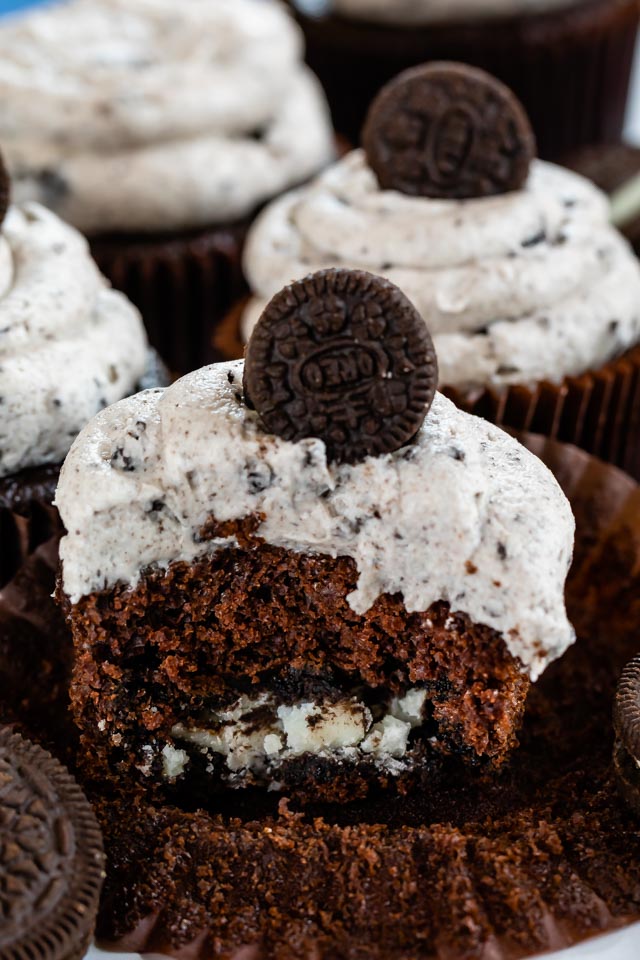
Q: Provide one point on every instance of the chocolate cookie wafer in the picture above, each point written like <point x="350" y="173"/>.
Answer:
<point x="51" y="858"/>
<point x="627" y="725"/>
<point x="345" y="356"/>
<point x="449" y="131"/>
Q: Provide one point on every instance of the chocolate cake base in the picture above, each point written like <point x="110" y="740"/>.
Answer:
<point x="185" y="644"/>
<point x="476" y="865"/>
<point x="570" y="67"/>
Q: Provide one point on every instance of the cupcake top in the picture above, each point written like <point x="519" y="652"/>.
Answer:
<point x="463" y="513"/>
<point x="151" y="115"/>
<point x="69" y="345"/>
<point x="432" y="11"/>
<point x="528" y="285"/>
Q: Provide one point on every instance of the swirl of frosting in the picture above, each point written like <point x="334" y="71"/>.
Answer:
<point x="527" y="286"/>
<point x="462" y="496"/>
<point x="402" y="12"/>
<point x="150" y="115"/>
<point x="69" y="345"/>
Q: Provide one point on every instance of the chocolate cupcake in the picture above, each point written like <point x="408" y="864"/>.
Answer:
<point x="69" y="346"/>
<point x="615" y="168"/>
<point x="327" y="584"/>
<point x="158" y="129"/>
<point x="531" y="858"/>
<point x="532" y="297"/>
<point x="568" y="60"/>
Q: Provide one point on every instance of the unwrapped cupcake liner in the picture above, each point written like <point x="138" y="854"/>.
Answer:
<point x="35" y="644"/>
<point x="349" y="867"/>
<point x="570" y="67"/>
<point x="27" y="520"/>
<point x="183" y="287"/>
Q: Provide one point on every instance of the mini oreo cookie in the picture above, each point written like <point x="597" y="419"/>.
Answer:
<point x="342" y="355"/>
<point x="51" y="857"/>
<point x="626" y="719"/>
<point x="448" y="131"/>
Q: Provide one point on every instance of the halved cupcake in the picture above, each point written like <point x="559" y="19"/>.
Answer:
<point x="327" y="593"/>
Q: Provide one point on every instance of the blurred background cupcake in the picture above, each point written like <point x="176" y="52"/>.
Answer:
<point x="615" y="168"/>
<point x="569" y="61"/>
<point x="531" y="296"/>
<point x="69" y="345"/>
<point x="158" y="129"/>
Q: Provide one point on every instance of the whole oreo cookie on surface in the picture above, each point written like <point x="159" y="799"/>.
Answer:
<point x="626" y="719"/>
<point x="448" y="131"/>
<point x="344" y="356"/>
<point x="51" y="857"/>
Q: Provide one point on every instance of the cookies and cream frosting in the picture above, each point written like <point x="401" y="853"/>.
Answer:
<point x="463" y="514"/>
<point x="410" y="12"/>
<point x="526" y="286"/>
<point x="69" y="345"/>
<point x="153" y="115"/>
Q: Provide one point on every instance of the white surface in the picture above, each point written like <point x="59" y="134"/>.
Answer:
<point x="623" y="945"/>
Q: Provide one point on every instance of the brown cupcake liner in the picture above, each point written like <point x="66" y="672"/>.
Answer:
<point x="28" y="518"/>
<point x="570" y="67"/>
<point x="183" y="286"/>
<point x="35" y="643"/>
<point x="598" y="411"/>
<point x="543" y="856"/>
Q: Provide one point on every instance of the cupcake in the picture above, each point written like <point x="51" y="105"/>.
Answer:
<point x="530" y="858"/>
<point x="324" y="596"/>
<point x="158" y="129"/>
<point x="568" y="60"/>
<point x="69" y="346"/>
<point x="532" y="297"/>
<point x="615" y="168"/>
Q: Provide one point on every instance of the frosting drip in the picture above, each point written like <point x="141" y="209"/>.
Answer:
<point x="463" y="514"/>
<point x="527" y="286"/>
<point x="152" y="115"/>
<point x="69" y="345"/>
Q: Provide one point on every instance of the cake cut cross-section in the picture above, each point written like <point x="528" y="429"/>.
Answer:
<point x="248" y="611"/>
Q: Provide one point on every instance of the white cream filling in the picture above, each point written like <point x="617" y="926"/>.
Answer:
<point x="255" y="736"/>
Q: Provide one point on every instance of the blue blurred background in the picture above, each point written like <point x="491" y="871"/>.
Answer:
<point x="7" y="6"/>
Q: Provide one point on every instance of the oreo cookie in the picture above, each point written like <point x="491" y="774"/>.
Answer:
<point x="51" y="857"/>
<point x="448" y="131"/>
<point x="626" y="719"/>
<point x="344" y="356"/>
